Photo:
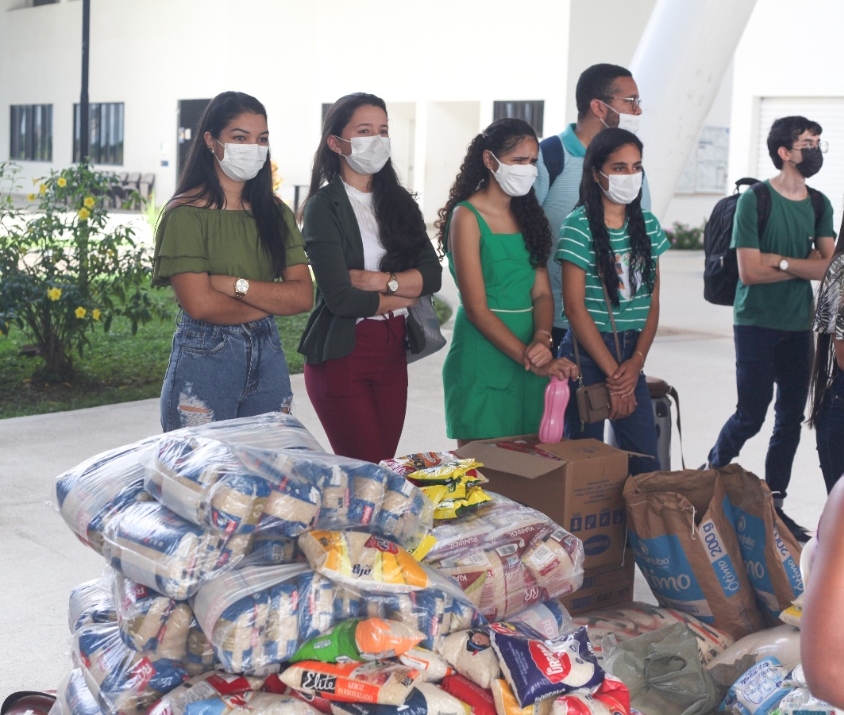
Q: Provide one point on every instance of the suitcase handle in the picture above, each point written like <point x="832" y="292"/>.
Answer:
<point x="657" y="387"/>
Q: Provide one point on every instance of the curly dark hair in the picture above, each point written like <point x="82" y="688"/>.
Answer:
<point x="500" y="138"/>
<point x="401" y="226"/>
<point x="592" y="197"/>
<point x="199" y="175"/>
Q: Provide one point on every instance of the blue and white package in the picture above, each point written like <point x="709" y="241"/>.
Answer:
<point x="91" y="602"/>
<point x="74" y="696"/>
<point x="538" y="668"/>
<point x="758" y="691"/>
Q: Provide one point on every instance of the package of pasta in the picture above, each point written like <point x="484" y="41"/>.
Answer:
<point x="91" y="494"/>
<point x="155" y="547"/>
<point x="424" y="699"/>
<point x="200" y="657"/>
<point x="92" y="602"/>
<point x="73" y="696"/>
<point x="372" y="682"/>
<point x="359" y="639"/>
<point x="432" y="666"/>
<point x="204" y="687"/>
<point x="636" y="619"/>
<point x="149" y="621"/>
<point x="363" y="561"/>
<point x="122" y="680"/>
<point x="537" y="668"/>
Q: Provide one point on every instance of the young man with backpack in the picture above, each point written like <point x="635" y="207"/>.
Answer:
<point x="773" y="303"/>
<point x="606" y="96"/>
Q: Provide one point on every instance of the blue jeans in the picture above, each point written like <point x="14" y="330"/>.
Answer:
<point x="764" y="358"/>
<point x="637" y="431"/>
<point x="829" y="432"/>
<point x="219" y="372"/>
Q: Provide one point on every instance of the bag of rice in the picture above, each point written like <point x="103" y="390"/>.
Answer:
<point x="359" y="640"/>
<point x="470" y="653"/>
<point x="373" y="682"/>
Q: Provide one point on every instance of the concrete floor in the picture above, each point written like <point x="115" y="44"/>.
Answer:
<point x="42" y="560"/>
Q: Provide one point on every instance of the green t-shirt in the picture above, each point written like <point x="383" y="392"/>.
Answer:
<point x="197" y="240"/>
<point x="791" y="232"/>
<point x="575" y="246"/>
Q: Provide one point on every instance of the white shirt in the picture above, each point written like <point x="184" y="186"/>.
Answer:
<point x="373" y="251"/>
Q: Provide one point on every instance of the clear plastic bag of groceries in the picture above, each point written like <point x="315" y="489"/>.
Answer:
<point x="155" y="547"/>
<point x="507" y="556"/>
<point x="257" y="617"/>
<point x="73" y="696"/>
<point x="121" y="679"/>
<point x="92" y="602"/>
<point x="236" y="488"/>
<point x="91" y="494"/>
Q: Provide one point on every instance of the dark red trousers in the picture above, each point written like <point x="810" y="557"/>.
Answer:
<point x="361" y="399"/>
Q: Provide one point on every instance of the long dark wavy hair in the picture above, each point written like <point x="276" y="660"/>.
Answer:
<point x="199" y="176"/>
<point x="825" y="368"/>
<point x="591" y="196"/>
<point x="401" y="226"/>
<point x="500" y="138"/>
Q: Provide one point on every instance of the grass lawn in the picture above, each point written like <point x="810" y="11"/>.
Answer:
<point x="118" y="367"/>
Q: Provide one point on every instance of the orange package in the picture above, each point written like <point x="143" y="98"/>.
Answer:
<point x="375" y="682"/>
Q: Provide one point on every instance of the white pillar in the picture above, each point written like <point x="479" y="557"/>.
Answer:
<point x="678" y="67"/>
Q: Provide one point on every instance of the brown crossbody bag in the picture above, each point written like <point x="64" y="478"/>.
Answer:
<point x="593" y="401"/>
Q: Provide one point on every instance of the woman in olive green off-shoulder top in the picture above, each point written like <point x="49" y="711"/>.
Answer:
<point x="234" y="256"/>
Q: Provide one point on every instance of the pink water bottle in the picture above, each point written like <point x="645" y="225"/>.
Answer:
<point x="556" y="400"/>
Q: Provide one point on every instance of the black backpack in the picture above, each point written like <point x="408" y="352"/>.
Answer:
<point x="553" y="157"/>
<point x="720" y="272"/>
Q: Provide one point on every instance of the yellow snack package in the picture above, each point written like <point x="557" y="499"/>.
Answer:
<point x="362" y="560"/>
<point x="452" y="508"/>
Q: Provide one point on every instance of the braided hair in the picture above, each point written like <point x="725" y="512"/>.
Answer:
<point x="500" y="138"/>
<point x="592" y="198"/>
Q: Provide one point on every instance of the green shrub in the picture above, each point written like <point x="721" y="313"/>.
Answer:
<point x="686" y="237"/>
<point x="65" y="271"/>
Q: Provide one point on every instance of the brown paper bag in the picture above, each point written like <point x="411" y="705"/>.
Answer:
<point x="680" y="526"/>
<point x="771" y="554"/>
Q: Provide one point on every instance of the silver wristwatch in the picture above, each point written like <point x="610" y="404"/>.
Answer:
<point x="241" y="287"/>
<point x="783" y="264"/>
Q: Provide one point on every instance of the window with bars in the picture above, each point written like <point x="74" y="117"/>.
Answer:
<point x="105" y="127"/>
<point x="31" y="132"/>
<point x="532" y="111"/>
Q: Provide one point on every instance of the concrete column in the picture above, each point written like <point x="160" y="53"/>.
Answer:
<point x="678" y="66"/>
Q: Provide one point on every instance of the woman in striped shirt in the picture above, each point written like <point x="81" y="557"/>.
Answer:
<point x="609" y="249"/>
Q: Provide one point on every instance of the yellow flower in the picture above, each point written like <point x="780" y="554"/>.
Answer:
<point x="42" y="189"/>
<point x="54" y="293"/>
<point x="62" y="182"/>
<point x="95" y="314"/>
<point x="30" y="197"/>
<point x="80" y="312"/>
<point x="83" y="214"/>
<point x="89" y="202"/>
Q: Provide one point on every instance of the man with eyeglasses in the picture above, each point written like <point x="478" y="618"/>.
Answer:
<point x="773" y="307"/>
<point x="606" y="96"/>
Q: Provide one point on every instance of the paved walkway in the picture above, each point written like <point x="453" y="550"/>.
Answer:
<point x="42" y="560"/>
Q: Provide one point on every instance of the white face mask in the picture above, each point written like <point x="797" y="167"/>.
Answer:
<point x="623" y="188"/>
<point x="242" y="162"/>
<point x="514" y="179"/>
<point x="369" y="154"/>
<point x="630" y="122"/>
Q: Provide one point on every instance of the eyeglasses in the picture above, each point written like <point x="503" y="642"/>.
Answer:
<point x="823" y="146"/>
<point x="634" y="102"/>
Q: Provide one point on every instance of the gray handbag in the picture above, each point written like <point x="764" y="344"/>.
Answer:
<point x="426" y="317"/>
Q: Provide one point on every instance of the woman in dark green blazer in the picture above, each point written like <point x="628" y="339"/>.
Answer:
<point x="372" y="259"/>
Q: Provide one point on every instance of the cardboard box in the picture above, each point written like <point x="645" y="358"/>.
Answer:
<point x="577" y="483"/>
<point x="603" y="587"/>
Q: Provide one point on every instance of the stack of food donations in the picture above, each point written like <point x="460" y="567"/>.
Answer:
<point x="248" y="570"/>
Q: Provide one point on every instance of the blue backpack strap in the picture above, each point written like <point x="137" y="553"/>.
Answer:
<point x="553" y="157"/>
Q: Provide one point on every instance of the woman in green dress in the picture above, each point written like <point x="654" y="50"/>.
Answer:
<point x="497" y="240"/>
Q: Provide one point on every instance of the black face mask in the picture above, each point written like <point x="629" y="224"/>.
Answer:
<point x="811" y="163"/>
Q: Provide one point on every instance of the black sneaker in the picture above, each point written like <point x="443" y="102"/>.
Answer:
<point x="797" y="531"/>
